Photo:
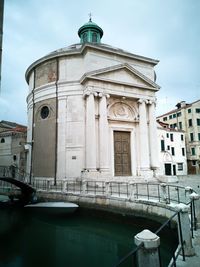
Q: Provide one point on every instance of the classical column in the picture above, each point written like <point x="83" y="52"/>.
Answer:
<point x="103" y="133"/>
<point x="154" y="161"/>
<point x="90" y="132"/>
<point x="143" y="135"/>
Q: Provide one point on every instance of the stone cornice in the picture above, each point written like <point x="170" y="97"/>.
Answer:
<point x="93" y="75"/>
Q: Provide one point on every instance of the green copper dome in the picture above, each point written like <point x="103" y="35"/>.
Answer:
<point x="90" y="32"/>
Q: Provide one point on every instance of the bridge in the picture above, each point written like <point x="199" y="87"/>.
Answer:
<point x="27" y="191"/>
<point x="179" y="204"/>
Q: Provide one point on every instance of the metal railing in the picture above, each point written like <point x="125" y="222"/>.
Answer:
<point x="128" y="191"/>
<point x="133" y="253"/>
<point x="164" y="193"/>
<point x="13" y="172"/>
<point x="155" y="192"/>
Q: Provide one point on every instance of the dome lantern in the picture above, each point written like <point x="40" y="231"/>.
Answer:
<point x="90" y="32"/>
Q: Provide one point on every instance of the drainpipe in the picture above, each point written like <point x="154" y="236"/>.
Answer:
<point x="56" y="137"/>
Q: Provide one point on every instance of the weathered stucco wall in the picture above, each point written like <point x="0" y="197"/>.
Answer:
<point x="44" y="149"/>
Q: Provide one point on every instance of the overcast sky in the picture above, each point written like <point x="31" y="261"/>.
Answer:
<point x="167" y="30"/>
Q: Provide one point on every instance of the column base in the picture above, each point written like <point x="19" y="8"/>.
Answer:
<point x="146" y="173"/>
<point x="96" y="174"/>
<point x="167" y="179"/>
<point x="89" y="174"/>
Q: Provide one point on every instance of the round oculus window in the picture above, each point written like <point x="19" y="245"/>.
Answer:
<point x="44" y="112"/>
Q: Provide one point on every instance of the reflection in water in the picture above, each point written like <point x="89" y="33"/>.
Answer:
<point x="83" y="239"/>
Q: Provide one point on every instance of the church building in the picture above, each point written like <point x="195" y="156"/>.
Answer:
<point x="91" y="112"/>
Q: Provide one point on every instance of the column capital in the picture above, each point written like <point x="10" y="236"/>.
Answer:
<point x="142" y="100"/>
<point x="152" y="101"/>
<point x="87" y="93"/>
<point x="101" y="94"/>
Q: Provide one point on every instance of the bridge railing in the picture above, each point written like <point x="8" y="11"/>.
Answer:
<point x="13" y="172"/>
<point x="159" y="192"/>
<point x="6" y="187"/>
<point x="174" y="254"/>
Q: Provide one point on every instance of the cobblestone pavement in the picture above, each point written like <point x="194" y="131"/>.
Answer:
<point x="190" y="180"/>
<point x="194" y="182"/>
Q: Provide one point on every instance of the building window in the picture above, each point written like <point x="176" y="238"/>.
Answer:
<point x="94" y="37"/>
<point x="2" y="140"/>
<point x="199" y="136"/>
<point x="197" y="110"/>
<point x="189" y="110"/>
<point x="198" y="122"/>
<point x="167" y="135"/>
<point x="180" y="125"/>
<point x="175" y="125"/>
<point x="190" y="122"/>
<point x="173" y="151"/>
<point x="178" y="114"/>
<point x="168" y="147"/>
<point x="191" y="137"/>
<point x="44" y="113"/>
<point x="182" y="137"/>
<point x="165" y="119"/>
<point x="85" y="37"/>
<point x="183" y="151"/>
<point x="162" y="145"/>
<point x="14" y="157"/>
<point x="174" y="115"/>
<point x="180" y="166"/>
<point x="194" y="162"/>
<point x="170" y="117"/>
<point x="171" y="137"/>
<point x="193" y="151"/>
<point x="171" y="126"/>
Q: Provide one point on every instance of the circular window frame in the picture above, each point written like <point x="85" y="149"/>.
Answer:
<point x="44" y="112"/>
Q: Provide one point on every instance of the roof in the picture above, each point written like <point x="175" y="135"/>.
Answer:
<point x="165" y="126"/>
<point x="178" y="109"/>
<point x="8" y="127"/>
<point x="90" y="25"/>
<point x="77" y="49"/>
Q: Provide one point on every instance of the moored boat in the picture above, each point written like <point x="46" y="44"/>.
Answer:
<point x="54" y="207"/>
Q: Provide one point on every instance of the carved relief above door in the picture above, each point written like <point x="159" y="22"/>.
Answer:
<point x="122" y="111"/>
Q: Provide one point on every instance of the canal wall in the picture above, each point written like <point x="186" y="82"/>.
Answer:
<point x="143" y="208"/>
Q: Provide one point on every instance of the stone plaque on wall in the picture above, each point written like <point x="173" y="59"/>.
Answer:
<point x="46" y="73"/>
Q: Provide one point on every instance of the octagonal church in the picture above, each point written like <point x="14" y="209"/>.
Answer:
<point x="91" y="112"/>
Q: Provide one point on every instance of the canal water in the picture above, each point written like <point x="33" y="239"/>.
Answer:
<point x="86" y="238"/>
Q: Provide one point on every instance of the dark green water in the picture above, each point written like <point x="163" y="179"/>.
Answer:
<point x="85" y="239"/>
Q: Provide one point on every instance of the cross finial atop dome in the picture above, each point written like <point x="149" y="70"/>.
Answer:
<point x="90" y="17"/>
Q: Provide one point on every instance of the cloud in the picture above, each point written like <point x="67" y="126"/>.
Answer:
<point x="164" y="30"/>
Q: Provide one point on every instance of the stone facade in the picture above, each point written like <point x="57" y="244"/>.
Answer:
<point x="187" y="117"/>
<point x="101" y="119"/>
<point x="172" y="153"/>
<point x="12" y="150"/>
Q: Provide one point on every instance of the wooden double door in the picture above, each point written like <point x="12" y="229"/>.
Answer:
<point x="122" y="154"/>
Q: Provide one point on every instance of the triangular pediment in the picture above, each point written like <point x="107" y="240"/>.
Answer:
<point x="122" y="74"/>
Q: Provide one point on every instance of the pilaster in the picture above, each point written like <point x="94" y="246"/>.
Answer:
<point x="90" y="132"/>
<point x="61" y="147"/>
<point x="103" y="133"/>
<point x="144" y="140"/>
<point x="154" y="161"/>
